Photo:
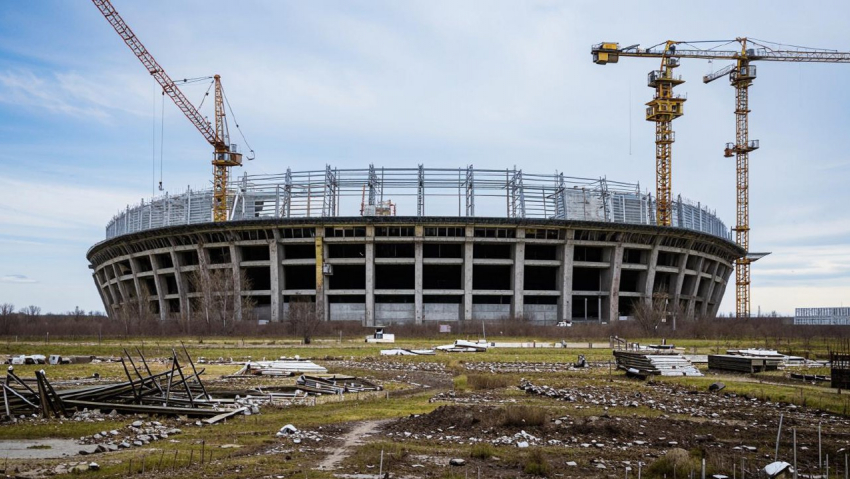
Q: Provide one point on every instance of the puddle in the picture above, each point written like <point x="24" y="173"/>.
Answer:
<point x="42" y="448"/>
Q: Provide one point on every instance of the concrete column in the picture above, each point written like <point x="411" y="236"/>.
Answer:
<point x="417" y="282"/>
<point x="236" y="263"/>
<point x="160" y="288"/>
<point x="369" y="319"/>
<point x="518" y="280"/>
<point x="276" y="271"/>
<point x="125" y="298"/>
<point x="650" y="272"/>
<point x="710" y="292"/>
<point x="136" y="284"/>
<point x="181" y="287"/>
<point x="319" y="244"/>
<point x="614" y="287"/>
<point x="467" y="275"/>
<point x="565" y="279"/>
<point x="106" y="304"/>
<point x="695" y="288"/>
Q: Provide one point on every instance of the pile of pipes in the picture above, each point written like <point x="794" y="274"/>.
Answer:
<point x="176" y="391"/>
<point x="335" y="384"/>
<point x="642" y="365"/>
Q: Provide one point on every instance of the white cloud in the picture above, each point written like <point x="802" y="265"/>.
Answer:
<point x="16" y="278"/>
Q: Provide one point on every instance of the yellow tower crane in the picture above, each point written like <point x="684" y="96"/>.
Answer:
<point x="741" y="75"/>
<point x="225" y="154"/>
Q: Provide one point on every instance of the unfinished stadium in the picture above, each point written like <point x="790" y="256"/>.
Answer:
<point x="412" y="245"/>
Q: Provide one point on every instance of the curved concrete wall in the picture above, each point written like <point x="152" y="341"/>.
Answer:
<point x="385" y="270"/>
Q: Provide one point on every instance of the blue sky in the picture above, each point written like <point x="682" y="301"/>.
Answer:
<point x="444" y="83"/>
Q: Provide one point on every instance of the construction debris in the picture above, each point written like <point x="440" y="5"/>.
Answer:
<point x="281" y="367"/>
<point x="407" y="352"/>
<point x="335" y="384"/>
<point x="462" y="346"/>
<point x="743" y="364"/>
<point x="643" y="364"/>
<point x="177" y="391"/>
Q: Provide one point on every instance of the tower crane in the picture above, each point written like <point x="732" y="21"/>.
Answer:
<point x="225" y="154"/>
<point x="741" y="75"/>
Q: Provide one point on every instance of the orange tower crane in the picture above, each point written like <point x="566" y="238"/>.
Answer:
<point x="741" y="75"/>
<point x="225" y="154"/>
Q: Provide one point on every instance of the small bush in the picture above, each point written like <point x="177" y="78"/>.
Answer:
<point x="488" y="381"/>
<point x="536" y="464"/>
<point x="524" y="416"/>
<point x="676" y="462"/>
<point x="460" y="382"/>
<point x="482" y="450"/>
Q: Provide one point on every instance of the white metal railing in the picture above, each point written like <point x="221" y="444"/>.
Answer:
<point x="511" y="193"/>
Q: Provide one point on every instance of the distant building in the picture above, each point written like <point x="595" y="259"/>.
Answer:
<point x="822" y="316"/>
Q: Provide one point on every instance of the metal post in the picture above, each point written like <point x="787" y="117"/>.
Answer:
<point x="702" y="473"/>
<point x="820" y="457"/>
<point x="795" y="452"/>
<point x="778" y="432"/>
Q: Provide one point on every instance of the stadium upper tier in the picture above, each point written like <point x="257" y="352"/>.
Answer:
<point x="417" y="192"/>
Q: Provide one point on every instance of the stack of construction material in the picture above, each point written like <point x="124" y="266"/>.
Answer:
<point x="281" y="367"/>
<point x="335" y="384"/>
<point x="742" y="364"/>
<point x="643" y="364"/>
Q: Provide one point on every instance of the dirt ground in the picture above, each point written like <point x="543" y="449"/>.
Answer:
<point x="540" y="419"/>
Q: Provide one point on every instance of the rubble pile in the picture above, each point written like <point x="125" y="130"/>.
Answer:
<point x="137" y="434"/>
<point x="520" y="367"/>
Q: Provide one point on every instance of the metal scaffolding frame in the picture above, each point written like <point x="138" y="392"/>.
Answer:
<point x="337" y="192"/>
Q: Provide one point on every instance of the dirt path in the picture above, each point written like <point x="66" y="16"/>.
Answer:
<point x="355" y="437"/>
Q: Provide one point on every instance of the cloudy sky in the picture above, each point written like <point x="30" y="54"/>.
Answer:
<point x="444" y="83"/>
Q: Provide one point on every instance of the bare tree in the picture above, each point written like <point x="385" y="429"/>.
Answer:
<point x="303" y="318"/>
<point x="7" y="310"/>
<point x="222" y="302"/>
<point x="650" y="315"/>
<point x="31" y="311"/>
<point x="135" y="315"/>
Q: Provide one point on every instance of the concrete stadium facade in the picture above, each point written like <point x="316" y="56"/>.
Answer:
<point x="493" y="244"/>
<point x="389" y="270"/>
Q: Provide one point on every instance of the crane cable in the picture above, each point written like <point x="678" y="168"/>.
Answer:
<point x="227" y="102"/>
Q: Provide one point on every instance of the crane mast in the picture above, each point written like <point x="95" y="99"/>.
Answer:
<point x="741" y="76"/>
<point x="663" y="109"/>
<point x="225" y="155"/>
